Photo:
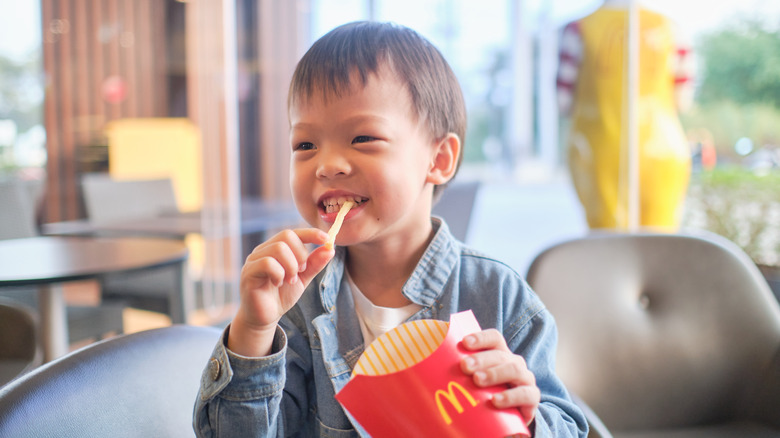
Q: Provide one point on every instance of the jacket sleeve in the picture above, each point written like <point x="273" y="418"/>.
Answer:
<point x="534" y="336"/>
<point x="262" y="397"/>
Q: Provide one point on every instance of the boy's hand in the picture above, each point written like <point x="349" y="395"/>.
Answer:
<point x="273" y="278"/>
<point x="494" y="364"/>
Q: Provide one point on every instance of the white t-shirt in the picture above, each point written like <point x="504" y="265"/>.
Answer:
<point x="376" y="320"/>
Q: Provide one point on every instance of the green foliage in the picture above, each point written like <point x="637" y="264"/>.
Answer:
<point x="760" y="185"/>
<point x="476" y="133"/>
<point x="741" y="64"/>
<point x="728" y="121"/>
<point x="740" y="205"/>
<point x="739" y="92"/>
<point x="20" y="92"/>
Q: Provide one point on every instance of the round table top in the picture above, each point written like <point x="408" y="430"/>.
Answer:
<point x="52" y="259"/>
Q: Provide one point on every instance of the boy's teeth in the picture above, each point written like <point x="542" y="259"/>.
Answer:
<point x="334" y="204"/>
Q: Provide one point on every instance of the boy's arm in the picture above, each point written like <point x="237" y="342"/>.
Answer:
<point x="242" y="386"/>
<point x="273" y="279"/>
<point x="241" y="396"/>
<point x="536" y="341"/>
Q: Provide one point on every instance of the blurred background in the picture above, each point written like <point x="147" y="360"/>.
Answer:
<point x="196" y="91"/>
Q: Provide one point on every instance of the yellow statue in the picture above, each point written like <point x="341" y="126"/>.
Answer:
<point x="591" y="90"/>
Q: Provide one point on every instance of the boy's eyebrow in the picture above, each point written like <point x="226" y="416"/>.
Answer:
<point x="367" y="118"/>
<point x="359" y="118"/>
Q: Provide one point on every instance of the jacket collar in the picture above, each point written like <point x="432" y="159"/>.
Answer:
<point x="425" y="284"/>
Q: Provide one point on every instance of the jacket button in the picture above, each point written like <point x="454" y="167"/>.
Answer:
<point x="214" y="369"/>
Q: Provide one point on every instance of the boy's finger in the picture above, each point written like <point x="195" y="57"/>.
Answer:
<point x="315" y="263"/>
<point x="307" y="236"/>
<point x="312" y="235"/>
<point x="289" y="248"/>
<point x="485" y="340"/>
<point x="525" y="398"/>
<point x="482" y="360"/>
<point x="296" y="239"/>
<point x="513" y="373"/>
<point x="518" y="396"/>
<point x="288" y="257"/>
<point x="265" y="267"/>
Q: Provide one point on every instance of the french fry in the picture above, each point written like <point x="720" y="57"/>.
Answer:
<point x="334" y="229"/>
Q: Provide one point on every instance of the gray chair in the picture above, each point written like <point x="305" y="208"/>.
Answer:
<point x="17" y="217"/>
<point x="138" y="385"/>
<point x="665" y="335"/>
<point x="106" y="200"/>
<point x="19" y="347"/>
<point x="17" y="220"/>
<point x="456" y="205"/>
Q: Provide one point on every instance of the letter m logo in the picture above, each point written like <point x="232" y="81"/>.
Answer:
<point x="453" y="399"/>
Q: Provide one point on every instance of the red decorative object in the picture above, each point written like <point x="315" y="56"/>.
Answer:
<point x="114" y="89"/>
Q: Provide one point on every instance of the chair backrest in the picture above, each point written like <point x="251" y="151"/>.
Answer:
<point x="19" y="352"/>
<point x="108" y="200"/>
<point x="17" y="215"/>
<point x="138" y="385"/>
<point x="659" y="330"/>
<point x="456" y="206"/>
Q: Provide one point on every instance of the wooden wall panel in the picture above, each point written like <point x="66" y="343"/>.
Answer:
<point x="86" y="45"/>
<point x="283" y="35"/>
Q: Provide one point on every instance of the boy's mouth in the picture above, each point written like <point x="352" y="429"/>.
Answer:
<point x="333" y="205"/>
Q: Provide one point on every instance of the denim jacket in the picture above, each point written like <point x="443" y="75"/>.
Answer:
<point x="291" y="391"/>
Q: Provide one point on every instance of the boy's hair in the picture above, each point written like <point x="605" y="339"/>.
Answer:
<point x="363" y="48"/>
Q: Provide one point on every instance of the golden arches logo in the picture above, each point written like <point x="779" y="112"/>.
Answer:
<point x="453" y="399"/>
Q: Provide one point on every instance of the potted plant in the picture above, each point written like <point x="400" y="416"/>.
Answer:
<point x="743" y="206"/>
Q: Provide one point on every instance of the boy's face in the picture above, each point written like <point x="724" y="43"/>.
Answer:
<point x="366" y="145"/>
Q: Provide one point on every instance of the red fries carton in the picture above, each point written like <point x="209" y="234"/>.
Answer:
<point x="409" y="383"/>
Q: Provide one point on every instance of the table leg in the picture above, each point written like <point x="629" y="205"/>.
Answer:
<point x="54" y="324"/>
<point x="180" y="298"/>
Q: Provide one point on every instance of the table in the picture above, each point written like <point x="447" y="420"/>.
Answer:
<point x="49" y="260"/>
<point x="257" y="216"/>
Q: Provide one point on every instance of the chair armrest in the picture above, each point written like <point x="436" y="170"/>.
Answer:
<point x="767" y="396"/>
<point x="597" y="427"/>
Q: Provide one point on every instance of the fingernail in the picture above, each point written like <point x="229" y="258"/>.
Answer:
<point x="302" y="267"/>
<point x="499" y="398"/>
<point x="470" y="362"/>
<point x="480" y="376"/>
<point x="470" y="340"/>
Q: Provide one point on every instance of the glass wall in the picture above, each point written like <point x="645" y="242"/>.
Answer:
<point x="196" y="92"/>
<point x="508" y="57"/>
<point x="22" y="136"/>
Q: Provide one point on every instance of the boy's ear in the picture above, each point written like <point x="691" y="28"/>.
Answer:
<point x="445" y="159"/>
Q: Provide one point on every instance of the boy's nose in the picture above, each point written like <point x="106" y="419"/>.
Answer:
<point x="332" y="165"/>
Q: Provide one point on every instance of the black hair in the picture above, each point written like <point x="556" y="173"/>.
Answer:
<point x="361" y="48"/>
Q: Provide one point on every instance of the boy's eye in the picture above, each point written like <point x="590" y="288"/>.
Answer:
<point x="305" y="146"/>
<point x="363" y="139"/>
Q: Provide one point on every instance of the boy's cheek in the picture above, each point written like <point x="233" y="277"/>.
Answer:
<point x="306" y="207"/>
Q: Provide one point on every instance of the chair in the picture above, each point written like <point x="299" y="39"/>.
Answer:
<point x="17" y="220"/>
<point x="665" y="335"/>
<point x="19" y="348"/>
<point x="456" y="206"/>
<point x="137" y="385"/>
<point x="106" y="200"/>
<point x="17" y="217"/>
<point x="145" y="148"/>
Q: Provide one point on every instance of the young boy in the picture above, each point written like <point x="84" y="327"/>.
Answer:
<point x="376" y="117"/>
